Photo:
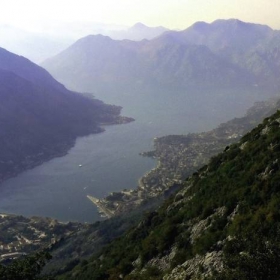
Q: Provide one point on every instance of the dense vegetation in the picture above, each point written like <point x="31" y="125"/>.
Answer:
<point x="27" y="268"/>
<point x="235" y="197"/>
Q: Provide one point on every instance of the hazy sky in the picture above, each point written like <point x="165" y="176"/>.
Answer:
<point x="169" y="13"/>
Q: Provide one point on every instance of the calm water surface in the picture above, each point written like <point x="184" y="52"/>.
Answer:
<point x="110" y="160"/>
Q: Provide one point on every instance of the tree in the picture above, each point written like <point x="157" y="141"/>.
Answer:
<point x="252" y="257"/>
<point x="28" y="268"/>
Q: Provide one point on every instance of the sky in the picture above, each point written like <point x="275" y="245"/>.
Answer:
<point x="173" y="14"/>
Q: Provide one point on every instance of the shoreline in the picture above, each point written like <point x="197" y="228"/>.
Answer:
<point x="101" y="208"/>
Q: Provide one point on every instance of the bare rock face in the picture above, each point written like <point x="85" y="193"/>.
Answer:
<point x="199" y="267"/>
<point x="201" y="226"/>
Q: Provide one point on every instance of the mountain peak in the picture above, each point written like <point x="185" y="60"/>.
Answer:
<point x="230" y="20"/>
<point x="96" y="37"/>
<point x="93" y="39"/>
<point x="239" y="23"/>
<point x="200" y="26"/>
<point x="139" y="25"/>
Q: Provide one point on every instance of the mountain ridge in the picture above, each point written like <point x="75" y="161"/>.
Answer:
<point x="53" y="38"/>
<point x="223" y="53"/>
<point x="126" y="63"/>
<point x="26" y="69"/>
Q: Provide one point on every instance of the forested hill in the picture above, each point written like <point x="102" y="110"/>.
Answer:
<point x="222" y="224"/>
<point x="39" y="117"/>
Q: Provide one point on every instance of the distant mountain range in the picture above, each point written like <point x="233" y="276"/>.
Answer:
<point x="224" y="53"/>
<point x="35" y="46"/>
<point x="137" y="32"/>
<point x="38" y="46"/>
<point x="223" y="34"/>
<point x="39" y="117"/>
<point x="253" y="47"/>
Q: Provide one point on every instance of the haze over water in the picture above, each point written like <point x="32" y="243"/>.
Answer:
<point x="110" y="160"/>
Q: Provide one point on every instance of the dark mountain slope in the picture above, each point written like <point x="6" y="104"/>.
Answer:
<point x="40" y="118"/>
<point x="208" y="221"/>
<point x="24" y="68"/>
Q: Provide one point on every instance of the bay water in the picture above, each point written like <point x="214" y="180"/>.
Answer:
<point x="102" y="163"/>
